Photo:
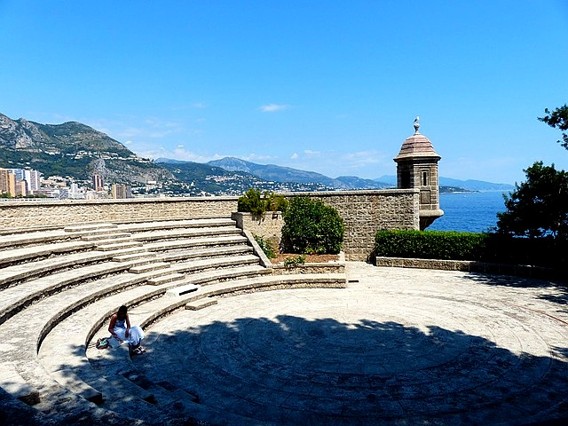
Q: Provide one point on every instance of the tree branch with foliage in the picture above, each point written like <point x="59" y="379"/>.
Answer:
<point x="558" y="119"/>
<point x="538" y="207"/>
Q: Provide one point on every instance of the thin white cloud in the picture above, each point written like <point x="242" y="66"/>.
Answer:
<point x="256" y="157"/>
<point x="178" y="153"/>
<point x="294" y="156"/>
<point x="309" y="153"/>
<point x="274" y="107"/>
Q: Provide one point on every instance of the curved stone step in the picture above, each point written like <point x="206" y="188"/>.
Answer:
<point x="12" y="275"/>
<point x="183" y="233"/>
<point x="181" y="255"/>
<point x="27" y="254"/>
<point x="189" y="223"/>
<point x="195" y="242"/>
<point x="90" y="227"/>
<point x="62" y="347"/>
<point x="10" y="241"/>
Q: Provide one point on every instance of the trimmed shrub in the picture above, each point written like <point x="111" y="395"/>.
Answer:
<point x="430" y="244"/>
<point x="292" y="262"/>
<point x="311" y="227"/>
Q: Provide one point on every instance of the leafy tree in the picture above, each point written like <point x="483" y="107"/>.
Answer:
<point x="251" y="201"/>
<point x="311" y="227"/>
<point x="539" y="206"/>
<point x="558" y="119"/>
<point x="257" y="204"/>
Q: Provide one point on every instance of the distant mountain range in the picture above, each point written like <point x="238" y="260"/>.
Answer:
<point x="470" y="185"/>
<point x="76" y="150"/>
<point x="272" y="172"/>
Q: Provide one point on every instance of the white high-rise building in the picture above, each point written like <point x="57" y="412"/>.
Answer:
<point x="32" y="177"/>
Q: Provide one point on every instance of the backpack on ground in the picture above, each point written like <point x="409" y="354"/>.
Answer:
<point x="102" y="343"/>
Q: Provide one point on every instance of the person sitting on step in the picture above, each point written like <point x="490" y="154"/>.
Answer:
<point x="122" y="331"/>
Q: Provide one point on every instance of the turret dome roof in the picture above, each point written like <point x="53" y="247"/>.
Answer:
<point x="417" y="146"/>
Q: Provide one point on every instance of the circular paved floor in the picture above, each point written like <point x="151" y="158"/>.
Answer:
<point x="399" y="346"/>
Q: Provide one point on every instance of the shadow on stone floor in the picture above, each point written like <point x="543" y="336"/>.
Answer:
<point x="293" y="370"/>
<point x="521" y="282"/>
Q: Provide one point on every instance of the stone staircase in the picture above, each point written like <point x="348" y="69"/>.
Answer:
<point x="59" y="287"/>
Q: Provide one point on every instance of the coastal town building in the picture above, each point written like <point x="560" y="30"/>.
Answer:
<point x="7" y="183"/>
<point x="120" y="191"/>
<point x="98" y="183"/>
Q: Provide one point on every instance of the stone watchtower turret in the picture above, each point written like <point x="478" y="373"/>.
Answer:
<point x="417" y="167"/>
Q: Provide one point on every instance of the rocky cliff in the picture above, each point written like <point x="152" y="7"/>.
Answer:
<point x="72" y="149"/>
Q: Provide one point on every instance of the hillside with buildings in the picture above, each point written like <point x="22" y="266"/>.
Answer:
<point x="72" y="150"/>
<point x="72" y="160"/>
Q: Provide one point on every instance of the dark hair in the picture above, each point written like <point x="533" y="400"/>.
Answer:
<point x="122" y="310"/>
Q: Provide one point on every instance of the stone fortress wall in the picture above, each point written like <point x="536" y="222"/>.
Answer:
<point x="364" y="212"/>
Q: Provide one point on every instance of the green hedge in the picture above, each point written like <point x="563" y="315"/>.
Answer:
<point x="430" y="244"/>
<point x="449" y="245"/>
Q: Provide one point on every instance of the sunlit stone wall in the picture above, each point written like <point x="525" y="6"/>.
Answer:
<point x="364" y="212"/>
<point x="32" y="214"/>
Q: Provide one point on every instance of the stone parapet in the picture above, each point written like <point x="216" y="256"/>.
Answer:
<point x="41" y="214"/>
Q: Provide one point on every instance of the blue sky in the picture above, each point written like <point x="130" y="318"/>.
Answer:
<point x="329" y="86"/>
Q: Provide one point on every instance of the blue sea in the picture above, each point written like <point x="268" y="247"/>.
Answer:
<point x="471" y="212"/>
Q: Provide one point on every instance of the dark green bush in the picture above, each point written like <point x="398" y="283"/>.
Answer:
<point x="311" y="227"/>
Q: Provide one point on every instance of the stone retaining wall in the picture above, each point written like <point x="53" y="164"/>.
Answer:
<point x="268" y="226"/>
<point x="310" y="268"/>
<point x="469" y="266"/>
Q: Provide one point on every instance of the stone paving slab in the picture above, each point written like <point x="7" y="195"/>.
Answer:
<point x="398" y="346"/>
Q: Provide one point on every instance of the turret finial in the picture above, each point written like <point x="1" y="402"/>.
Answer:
<point x="416" y="125"/>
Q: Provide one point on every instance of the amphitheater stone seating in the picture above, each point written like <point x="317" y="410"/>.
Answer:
<point x="58" y="288"/>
